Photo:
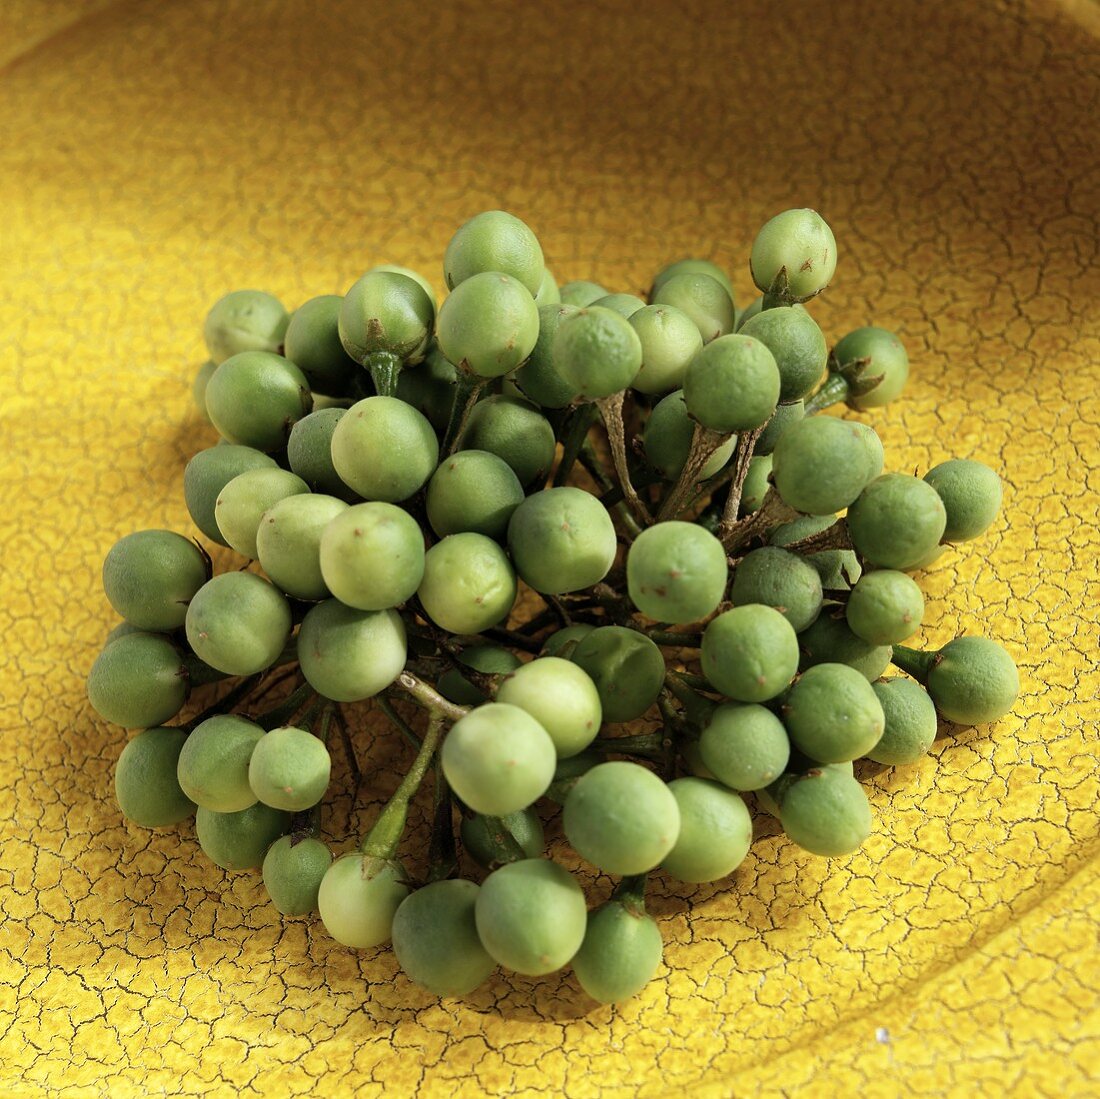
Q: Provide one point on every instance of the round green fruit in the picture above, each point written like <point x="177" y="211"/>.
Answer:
<point x="469" y="584"/>
<point x="676" y="572"/>
<point x="244" y="320"/>
<point x="562" y="540"/>
<point x="561" y="697"/>
<point x="531" y="916"/>
<point x="800" y="245"/>
<point x="621" y="951"/>
<point x="750" y="653"/>
<point x="498" y="759"/>
<point x="626" y="667"/>
<point x="971" y="495"/>
<point x="238" y="623"/>
<point x="146" y="786"/>
<point x="348" y="654"/>
<point x="150" y="576"/>
<point x="435" y="938"/>
<point x="715" y="831"/>
<point x="384" y="449"/>
<point x="622" y="818"/>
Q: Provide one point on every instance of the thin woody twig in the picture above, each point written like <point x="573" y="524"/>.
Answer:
<point x="611" y="410"/>
<point x="741" y="470"/>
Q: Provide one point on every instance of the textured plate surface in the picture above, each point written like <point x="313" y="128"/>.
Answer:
<point x="154" y="155"/>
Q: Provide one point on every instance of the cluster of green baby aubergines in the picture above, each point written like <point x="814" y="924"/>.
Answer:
<point x="425" y="511"/>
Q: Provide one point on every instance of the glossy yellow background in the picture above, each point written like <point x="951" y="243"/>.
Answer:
<point x="154" y="155"/>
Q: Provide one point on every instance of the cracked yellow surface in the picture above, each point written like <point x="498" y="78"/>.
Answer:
<point x="155" y="155"/>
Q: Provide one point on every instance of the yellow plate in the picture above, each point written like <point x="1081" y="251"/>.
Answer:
<point x="155" y="155"/>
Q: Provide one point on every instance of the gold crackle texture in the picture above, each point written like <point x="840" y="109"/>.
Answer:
<point x="153" y="156"/>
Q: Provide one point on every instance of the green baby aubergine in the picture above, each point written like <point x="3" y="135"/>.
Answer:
<point x="626" y="667"/>
<point x="910" y="722"/>
<point x="622" y="818"/>
<point x="744" y="745"/>
<point x="208" y="473"/>
<point x="150" y="576"/>
<point x="241" y="505"/>
<point x="797" y="344"/>
<point x="691" y="267"/>
<point x="359" y="897"/>
<point x="875" y="364"/>
<point x="498" y="759"/>
<point x="384" y="449"/>
<point x="473" y="490"/>
<point x="516" y="432"/>
<point x="538" y="379"/>
<point x="469" y="584"/>
<point x="667" y="439"/>
<point x="670" y="341"/>
<point x="238" y="623"/>
<point x="821" y="464"/>
<point x="289" y="769"/>
<point x="488" y="325"/>
<point x="626" y="305"/>
<point x="825" y="811"/>
<point x="580" y="293"/>
<point x="435" y="938"/>
<point x="676" y="572"/>
<point x="621" y="951"/>
<point x="138" y="681"/>
<point x="495" y="241"/>
<point x="255" y="398"/>
<point x="783" y="416"/>
<point x="348" y="654"/>
<point x="353" y="543"/>
<point x="562" y="540"/>
<point x="972" y="680"/>
<point x="703" y="298"/>
<point x="531" y="916"/>
<point x="896" y="521"/>
<point x="776" y="578"/>
<point x="293" y="870"/>
<point x="597" y="352"/>
<point x="732" y="385"/>
<point x="797" y="250"/>
<point x="385" y="323"/>
<point x="971" y="495"/>
<point x="885" y="607"/>
<point x="750" y="653"/>
<point x="313" y="345"/>
<point x="715" y="831"/>
<point x="561" y="697"/>
<point x="239" y="841"/>
<point x="832" y="714"/>
<point x="244" y="320"/>
<point x="548" y="292"/>
<point x="146" y="786"/>
<point x="213" y="763"/>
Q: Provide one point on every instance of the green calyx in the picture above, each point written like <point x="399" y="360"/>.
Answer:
<point x="382" y="840"/>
